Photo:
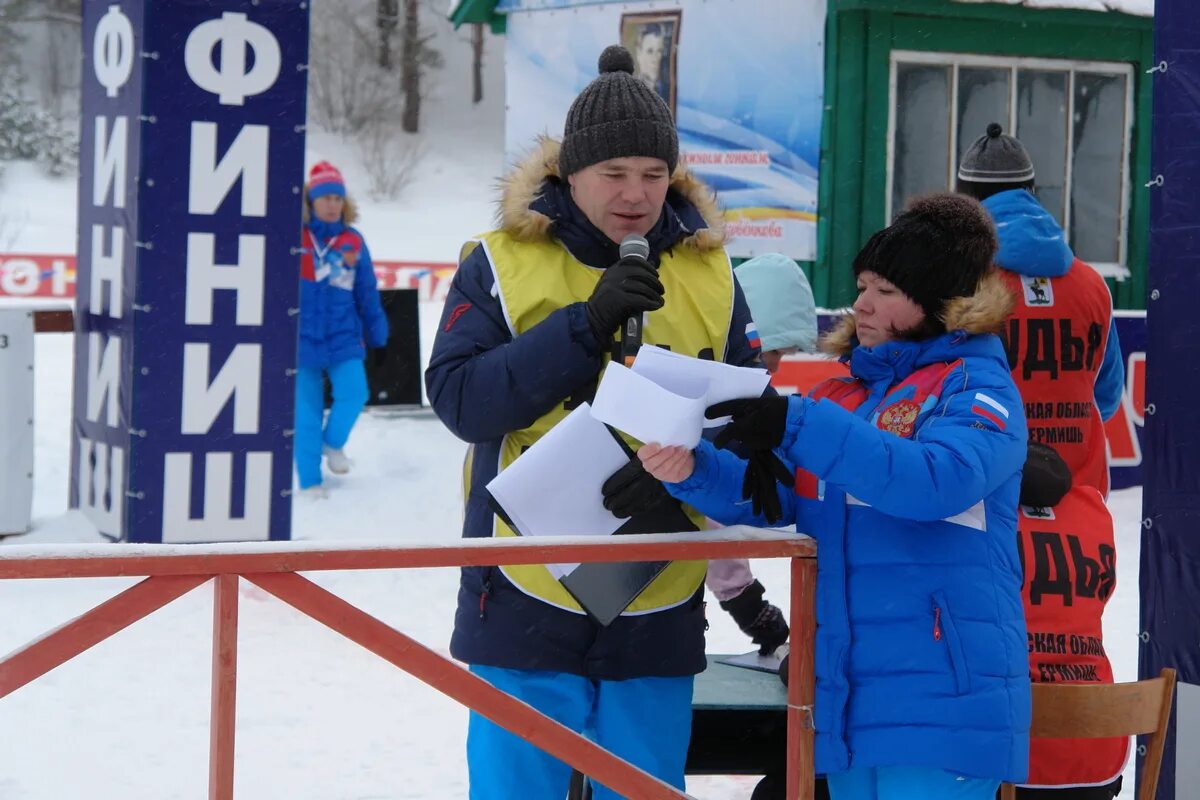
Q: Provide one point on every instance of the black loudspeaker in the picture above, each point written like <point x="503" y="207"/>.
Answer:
<point x="397" y="382"/>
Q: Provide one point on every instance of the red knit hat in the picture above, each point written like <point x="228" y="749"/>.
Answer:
<point x="323" y="179"/>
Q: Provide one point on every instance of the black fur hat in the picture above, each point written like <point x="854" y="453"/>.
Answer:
<point x="938" y="248"/>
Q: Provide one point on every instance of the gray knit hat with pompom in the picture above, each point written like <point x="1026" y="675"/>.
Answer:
<point x="996" y="157"/>
<point x="617" y="116"/>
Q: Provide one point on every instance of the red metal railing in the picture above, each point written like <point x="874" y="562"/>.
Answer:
<point x="174" y="570"/>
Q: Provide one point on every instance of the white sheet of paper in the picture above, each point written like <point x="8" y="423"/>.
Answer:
<point x="680" y="374"/>
<point x="550" y="491"/>
<point x="640" y="407"/>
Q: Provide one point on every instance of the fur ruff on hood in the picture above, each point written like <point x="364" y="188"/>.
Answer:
<point x="521" y="186"/>
<point x="982" y="312"/>
<point x="349" y="210"/>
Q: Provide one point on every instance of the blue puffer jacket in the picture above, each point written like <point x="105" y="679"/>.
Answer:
<point x="339" y="303"/>
<point x="1033" y="243"/>
<point x="908" y="476"/>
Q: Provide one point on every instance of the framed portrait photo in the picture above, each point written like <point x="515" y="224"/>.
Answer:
<point x="653" y="39"/>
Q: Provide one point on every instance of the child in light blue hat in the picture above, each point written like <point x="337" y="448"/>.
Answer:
<point x="785" y="318"/>
<point x="781" y="305"/>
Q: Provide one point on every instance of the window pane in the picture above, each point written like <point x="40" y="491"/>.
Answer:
<point x="1042" y="128"/>
<point x="1098" y="166"/>
<point x="983" y="95"/>
<point x="922" y="145"/>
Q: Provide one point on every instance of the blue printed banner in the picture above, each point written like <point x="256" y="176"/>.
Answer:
<point x="1170" y="552"/>
<point x="109" y="146"/>
<point x="749" y="127"/>
<point x="208" y="342"/>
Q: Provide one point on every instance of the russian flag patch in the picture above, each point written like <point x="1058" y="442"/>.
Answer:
<point x="752" y="335"/>
<point x="990" y="409"/>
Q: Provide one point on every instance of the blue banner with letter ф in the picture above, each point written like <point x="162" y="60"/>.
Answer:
<point x="213" y="148"/>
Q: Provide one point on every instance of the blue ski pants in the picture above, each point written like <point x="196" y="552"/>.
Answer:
<point x="646" y="721"/>
<point x="349" y="380"/>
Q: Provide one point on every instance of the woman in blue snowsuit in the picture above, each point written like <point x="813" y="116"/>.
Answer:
<point x="339" y="307"/>
<point x="907" y="472"/>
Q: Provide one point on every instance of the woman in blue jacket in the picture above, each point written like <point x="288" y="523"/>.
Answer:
<point x="907" y="472"/>
<point x="339" y="306"/>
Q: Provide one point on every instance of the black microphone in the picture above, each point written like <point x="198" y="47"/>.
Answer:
<point x="633" y="246"/>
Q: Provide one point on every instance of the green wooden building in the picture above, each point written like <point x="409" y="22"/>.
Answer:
<point x="910" y="83"/>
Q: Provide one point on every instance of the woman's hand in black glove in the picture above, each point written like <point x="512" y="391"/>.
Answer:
<point x="758" y="423"/>
<point x="764" y="471"/>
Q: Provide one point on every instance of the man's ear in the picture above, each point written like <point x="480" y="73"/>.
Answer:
<point x="571" y="182"/>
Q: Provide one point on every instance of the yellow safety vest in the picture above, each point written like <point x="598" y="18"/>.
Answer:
<point x="535" y="279"/>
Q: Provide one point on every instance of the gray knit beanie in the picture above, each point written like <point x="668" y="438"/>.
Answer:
<point x="616" y="116"/>
<point x="996" y="157"/>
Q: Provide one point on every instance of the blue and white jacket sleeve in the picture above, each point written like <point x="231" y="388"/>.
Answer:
<point x="483" y="381"/>
<point x="715" y="486"/>
<point x="1110" y="380"/>
<point x="959" y="456"/>
<point x="715" y="489"/>
<point x="366" y="300"/>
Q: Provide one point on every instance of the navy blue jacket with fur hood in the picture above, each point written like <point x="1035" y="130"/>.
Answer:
<point x="484" y="383"/>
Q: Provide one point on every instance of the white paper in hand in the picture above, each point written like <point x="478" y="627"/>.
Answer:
<point x="551" y="491"/>
<point x="680" y="374"/>
<point x="645" y="410"/>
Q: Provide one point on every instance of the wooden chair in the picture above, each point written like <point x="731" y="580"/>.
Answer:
<point x="1098" y="711"/>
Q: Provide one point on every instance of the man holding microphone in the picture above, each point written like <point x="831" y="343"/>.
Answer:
<point x="534" y="315"/>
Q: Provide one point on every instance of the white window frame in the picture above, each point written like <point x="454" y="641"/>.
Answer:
<point x="1119" y="270"/>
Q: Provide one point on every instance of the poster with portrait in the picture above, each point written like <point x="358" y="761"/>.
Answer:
<point x="653" y="38"/>
<point x="744" y="80"/>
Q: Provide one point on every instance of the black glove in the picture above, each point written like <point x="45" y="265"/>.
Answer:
<point x="758" y="423"/>
<point x="763" y="471"/>
<point x="1046" y="478"/>
<point x="627" y="289"/>
<point x="378" y="357"/>
<point x="631" y="490"/>
<point x="758" y="619"/>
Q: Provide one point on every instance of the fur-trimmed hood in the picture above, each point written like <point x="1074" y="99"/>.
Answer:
<point x="349" y="210"/>
<point x="982" y="312"/>
<point x="522" y="186"/>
